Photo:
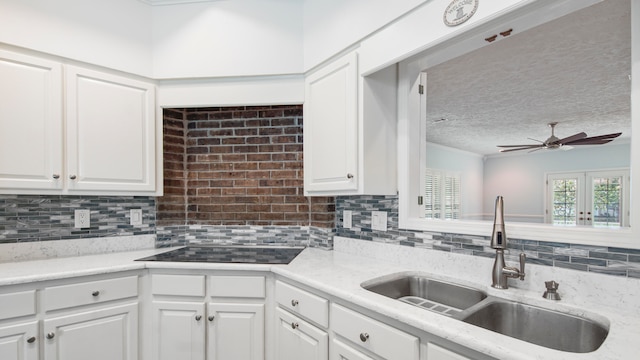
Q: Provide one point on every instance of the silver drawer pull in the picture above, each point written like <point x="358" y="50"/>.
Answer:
<point x="51" y="335"/>
<point x="294" y="325"/>
<point x="364" y="337"/>
<point x="31" y="340"/>
<point x="95" y="293"/>
<point x="294" y="302"/>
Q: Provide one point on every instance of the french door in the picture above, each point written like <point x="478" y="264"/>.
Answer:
<point x="595" y="198"/>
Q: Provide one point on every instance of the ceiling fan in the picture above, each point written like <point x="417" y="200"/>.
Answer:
<point x="553" y="142"/>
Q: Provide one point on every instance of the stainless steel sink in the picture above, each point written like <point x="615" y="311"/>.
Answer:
<point x="539" y="326"/>
<point x="536" y="325"/>
<point x="443" y="297"/>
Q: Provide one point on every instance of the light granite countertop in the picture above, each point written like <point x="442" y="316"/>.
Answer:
<point x="339" y="274"/>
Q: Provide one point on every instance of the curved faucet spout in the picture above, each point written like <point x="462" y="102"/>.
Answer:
<point x="501" y="272"/>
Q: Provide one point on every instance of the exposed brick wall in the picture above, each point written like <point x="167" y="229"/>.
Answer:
<point x="172" y="206"/>
<point x="243" y="166"/>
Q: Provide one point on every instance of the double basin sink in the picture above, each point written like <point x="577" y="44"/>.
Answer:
<point x="544" y="327"/>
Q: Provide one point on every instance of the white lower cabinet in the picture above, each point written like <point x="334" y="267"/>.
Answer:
<point x="342" y="351"/>
<point x="297" y="339"/>
<point x="301" y="320"/>
<point x="435" y="352"/>
<point x="374" y="336"/>
<point x="74" y="319"/>
<point x="19" y="341"/>
<point x="105" y="334"/>
<point x="236" y="331"/>
<point x="95" y="319"/>
<point x="178" y="330"/>
<point x="187" y="326"/>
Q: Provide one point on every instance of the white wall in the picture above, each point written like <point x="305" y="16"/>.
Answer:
<point x="470" y="166"/>
<point x="331" y="26"/>
<point x="228" y="38"/>
<point x="110" y="33"/>
<point x="247" y="91"/>
<point x="520" y="178"/>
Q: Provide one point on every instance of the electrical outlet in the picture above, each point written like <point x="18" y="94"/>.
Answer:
<point x="379" y="220"/>
<point x="82" y="218"/>
<point x="136" y="217"/>
<point x="346" y="219"/>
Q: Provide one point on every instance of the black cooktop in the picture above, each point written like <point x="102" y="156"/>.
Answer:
<point x="247" y="254"/>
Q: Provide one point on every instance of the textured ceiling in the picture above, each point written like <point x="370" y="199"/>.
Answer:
<point x="573" y="70"/>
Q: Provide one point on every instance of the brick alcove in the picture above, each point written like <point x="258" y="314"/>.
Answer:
<point x="237" y="166"/>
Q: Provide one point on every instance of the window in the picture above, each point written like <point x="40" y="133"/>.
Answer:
<point x="598" y="198"/>
<point x="442" y="195"/>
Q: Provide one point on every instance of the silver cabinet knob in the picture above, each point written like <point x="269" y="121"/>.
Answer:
<point x="56" y="176"/>
<point x="294" y="325"/>
<point x="349" y="176"/>
<point x="95" y="293"/>
<point x="31" y="340"/>
<point x="294" y="302"/>
<point x="51" y="335"/>
<point x="211" y="317"/>
<point x="72" y="177"/>
<point x="364" y="337"/>
<point x="198" y="317"/>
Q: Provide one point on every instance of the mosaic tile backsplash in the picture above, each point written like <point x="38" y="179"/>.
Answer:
<point x="28" y="218"/>
<point x="244" y="235"/>
<point x="51" y="217"/>
<point x="601" y="259"/>
<point x="25" y="218"/>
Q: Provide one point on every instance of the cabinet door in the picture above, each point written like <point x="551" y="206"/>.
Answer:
<point x="178" y="331"/>
<point x="30" y="123"/>
<point x="105" y="334"/>
<point x="110" y="132"/>
<point x="331" y="127"/>
<point x="236" y="331"/>
<point x="297" y="339"/>
<point x="435" y="352"/>
<point x="19" y="342"/>
<point x="342" y="351"/>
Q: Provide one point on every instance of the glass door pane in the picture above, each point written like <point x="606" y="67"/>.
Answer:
<point x="606" y="197"/>
<point x="564" y="201"/>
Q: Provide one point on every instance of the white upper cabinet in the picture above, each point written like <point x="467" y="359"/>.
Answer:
<point x="330" y="127"/>
<point x="105" y="143"/>
<point x="349" y="130"/>
<point x="30" y="122"/>
<point x="110" y="132"/>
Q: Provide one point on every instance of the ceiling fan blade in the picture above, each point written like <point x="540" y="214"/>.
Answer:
<point x="594" y="140"/>
<point x="514" y="146"/>
<point x="568" y="139"/>
<point x="526" y="147"/>
<point x="590" y="142"/>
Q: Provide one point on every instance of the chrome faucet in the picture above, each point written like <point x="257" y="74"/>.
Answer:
<point x="499" y="242"/>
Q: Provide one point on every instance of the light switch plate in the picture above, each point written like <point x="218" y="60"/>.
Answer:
<point x="82" y="218"/>
<point x="379" y="220"/>
<point x="136" y="217"/>
<point x="347" y="219"/>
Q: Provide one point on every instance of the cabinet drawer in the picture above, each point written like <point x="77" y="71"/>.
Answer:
<point x="303" y="303"/>
<point x="66" y="296"/>
<point x="379" y="338"/>
<point x="237" y="286"/>
<point x="17" y="304"/>
<point x="179" y="285"/>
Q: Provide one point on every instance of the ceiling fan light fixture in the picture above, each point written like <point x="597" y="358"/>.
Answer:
<point x="553" y="142"/>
